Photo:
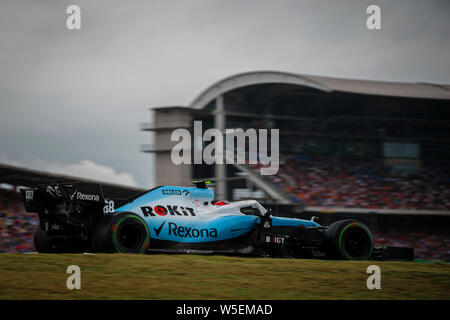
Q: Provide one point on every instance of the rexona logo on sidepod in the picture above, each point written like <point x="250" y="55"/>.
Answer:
<point x="185" y="231"/>
<point x="189" y="232"/>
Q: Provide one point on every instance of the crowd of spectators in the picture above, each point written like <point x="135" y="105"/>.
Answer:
<point x="427" y="245"/>
<point x="365" y="184"/>
<point x="16" y="225"/>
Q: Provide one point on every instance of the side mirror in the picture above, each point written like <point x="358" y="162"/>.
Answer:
<point x="266" y="220"/>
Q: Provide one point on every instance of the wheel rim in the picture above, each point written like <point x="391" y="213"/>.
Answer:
<point x="355" y="243"/>
<point x="129" y="237"/>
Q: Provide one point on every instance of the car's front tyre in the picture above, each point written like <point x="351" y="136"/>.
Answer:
<point x="348" y="239"/>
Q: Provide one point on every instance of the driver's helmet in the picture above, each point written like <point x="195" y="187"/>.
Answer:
<point x="220" y="203"/>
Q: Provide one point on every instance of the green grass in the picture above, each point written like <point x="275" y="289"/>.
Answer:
<point x="157" y="276"/>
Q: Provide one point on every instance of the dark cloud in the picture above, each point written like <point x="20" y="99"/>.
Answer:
<point x="68" y="96"/>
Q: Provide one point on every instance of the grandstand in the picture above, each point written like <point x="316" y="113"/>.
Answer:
<point x="343" y="143"/>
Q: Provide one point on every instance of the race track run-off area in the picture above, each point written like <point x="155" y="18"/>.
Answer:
<point x="183" y="276"/>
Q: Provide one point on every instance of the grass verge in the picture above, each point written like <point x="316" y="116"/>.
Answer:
<point x="160" y="276"/>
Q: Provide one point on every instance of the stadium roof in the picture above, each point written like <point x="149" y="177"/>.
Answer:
<point x="326" y="84"/>
<point x="18" y="176"/>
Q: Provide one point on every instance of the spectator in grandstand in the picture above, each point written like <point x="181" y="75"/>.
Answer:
<point x="427" y="245"/>
<point x="363" y="185"/>
<point x="16" y="225"/>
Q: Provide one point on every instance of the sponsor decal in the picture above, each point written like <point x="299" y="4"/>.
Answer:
<point x="109" y="206"/>
<point x="87" y="197"/>
<point x="54" y="191"/>
<point x="275" y="239"/>
<point x="73" y="195"/>
<point x="29" y="194"/>
<point x="55" y="226"/>
<point x="160" y="210"/>
<point x="220" y="203"/>
<point x="158" y="230"/>
<point x="168" y="209"/>
<point x="171" y="192"/>
<point x="189" y="232"/>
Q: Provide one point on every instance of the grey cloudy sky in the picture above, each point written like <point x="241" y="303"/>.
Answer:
<point x="71" y="101"/>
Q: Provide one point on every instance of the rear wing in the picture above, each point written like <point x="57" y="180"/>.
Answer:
<point x="32" y="200"/>
<point x="77" y="194"/>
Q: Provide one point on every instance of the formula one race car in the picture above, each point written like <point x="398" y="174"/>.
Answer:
<point x="75" y="217"/>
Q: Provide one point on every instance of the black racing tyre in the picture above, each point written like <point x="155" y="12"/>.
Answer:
<point x="348" y="239"/>
<point x="123" y="232"/>
<point x="45" y="244"/>
<point x="41" y="242"/>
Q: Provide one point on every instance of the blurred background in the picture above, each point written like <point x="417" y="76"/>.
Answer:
<point x="363" y="114"/>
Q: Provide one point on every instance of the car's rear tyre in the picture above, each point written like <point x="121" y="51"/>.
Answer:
<point x="123" y="232"/>
<point x="41" y="241"/>
<point x="348" y="239"/>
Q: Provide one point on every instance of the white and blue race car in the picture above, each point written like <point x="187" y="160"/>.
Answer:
<point x="76" y="217"/>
